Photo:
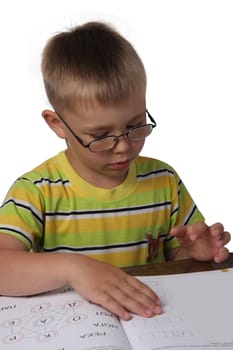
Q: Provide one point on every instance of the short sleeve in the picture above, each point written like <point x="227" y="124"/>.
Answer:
<point x="21" y="214"/>
<point x="184" y="211"/>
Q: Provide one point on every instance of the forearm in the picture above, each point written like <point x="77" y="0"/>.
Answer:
<point x="24" y="273"/>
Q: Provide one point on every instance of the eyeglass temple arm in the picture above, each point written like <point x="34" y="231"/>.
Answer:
<point x="151" y="118"/>
<point x="72" y="132"/>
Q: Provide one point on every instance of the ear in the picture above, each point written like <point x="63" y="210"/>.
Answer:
<point x="54" y="122"/>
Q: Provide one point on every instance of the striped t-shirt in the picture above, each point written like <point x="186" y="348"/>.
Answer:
<point x="52" y="209"/>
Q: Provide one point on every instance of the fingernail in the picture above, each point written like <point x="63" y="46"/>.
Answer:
<point x="158" y="310"/>
<point x="149" y="313"/>
<point x="127" y="316"/>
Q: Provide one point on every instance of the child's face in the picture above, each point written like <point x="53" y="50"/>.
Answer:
<point x="108" y="168"/>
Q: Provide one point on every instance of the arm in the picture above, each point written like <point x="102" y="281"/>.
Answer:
<point x="200" y="242"/>
<point x="25" y="273"/>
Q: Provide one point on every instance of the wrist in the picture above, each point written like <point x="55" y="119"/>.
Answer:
<point x="72" y="266"/>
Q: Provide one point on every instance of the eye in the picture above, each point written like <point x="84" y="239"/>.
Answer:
<point x="99" y="136"/>
<point x="137" y="122"/>
<point x="136" y="125"/>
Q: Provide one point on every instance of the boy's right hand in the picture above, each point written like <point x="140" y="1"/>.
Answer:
<point x="103" y="284"/>
<point x="111" y="288"/>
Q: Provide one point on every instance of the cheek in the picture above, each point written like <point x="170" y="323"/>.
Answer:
<point x="91" y="159"/>
<point x="137" y="146"/>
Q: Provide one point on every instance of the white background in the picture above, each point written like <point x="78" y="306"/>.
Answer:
<point x="187" y="49"/>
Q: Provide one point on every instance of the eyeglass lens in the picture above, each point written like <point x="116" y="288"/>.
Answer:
<point x="138" y="133"/>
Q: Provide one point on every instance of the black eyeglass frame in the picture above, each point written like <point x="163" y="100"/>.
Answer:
<point x="153" y="125"/>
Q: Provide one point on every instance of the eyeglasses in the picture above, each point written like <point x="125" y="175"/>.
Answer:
<point x="106" y="143"/>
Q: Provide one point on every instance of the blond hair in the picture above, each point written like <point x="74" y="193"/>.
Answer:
<point x="91" y="63"/>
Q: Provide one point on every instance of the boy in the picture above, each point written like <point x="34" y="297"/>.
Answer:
<point x="98" y="205"/>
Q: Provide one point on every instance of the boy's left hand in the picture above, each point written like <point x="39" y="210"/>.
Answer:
<point x="203" y="242"/>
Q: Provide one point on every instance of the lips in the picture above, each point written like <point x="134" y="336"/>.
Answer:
<point x="120" y="165"/>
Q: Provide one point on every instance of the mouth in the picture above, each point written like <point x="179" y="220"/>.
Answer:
<point x="120" y="165"/>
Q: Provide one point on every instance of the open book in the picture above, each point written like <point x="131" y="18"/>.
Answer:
<point x="198" y="314"/>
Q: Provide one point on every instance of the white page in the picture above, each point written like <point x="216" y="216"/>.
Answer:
<point x="60" y="321"/>
<point x="198" y="313"/>
<point x="197" y="310"/>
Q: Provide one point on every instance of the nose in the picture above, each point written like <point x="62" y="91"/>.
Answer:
<point x="122" y="144"/>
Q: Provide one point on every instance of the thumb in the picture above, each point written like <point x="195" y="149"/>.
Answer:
<point x="192" y="231"/>
<point x="179" y="231"/>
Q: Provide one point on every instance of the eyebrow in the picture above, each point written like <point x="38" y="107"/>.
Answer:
<point x="106" y="127"/>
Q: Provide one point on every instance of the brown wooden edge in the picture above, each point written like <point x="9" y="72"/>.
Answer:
<point x="175" y="267"/>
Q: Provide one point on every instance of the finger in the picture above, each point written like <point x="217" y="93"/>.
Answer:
<point x="217" y="230"/>
<point x="190" y="232"/>
<point x="217" y="226"/>
<point x="222" y="254"/>
<point x="121" y="305"/>
<point x="137" y="284"/>
<point x="226" y="237"/>
<point x="179" y="232"/>
<point x="134" y="300"/>
<point x="108" y="302"/>
<point x="223" y="239"/>
<point x="197" y="230"/>
<point x="144" y="295"/>
<point x="136" y="303"/>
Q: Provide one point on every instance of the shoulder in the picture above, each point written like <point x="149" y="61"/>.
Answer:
<point x="50" y="169"/>
<point x="146" y="165"/>
<point x="45" y="175"/>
